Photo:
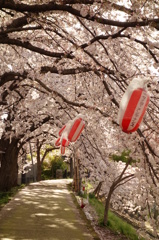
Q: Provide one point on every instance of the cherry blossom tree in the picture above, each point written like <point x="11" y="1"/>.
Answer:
<point x="61" y="58"/>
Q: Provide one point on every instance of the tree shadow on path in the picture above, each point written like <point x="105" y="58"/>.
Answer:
<point x="43" y="210"/>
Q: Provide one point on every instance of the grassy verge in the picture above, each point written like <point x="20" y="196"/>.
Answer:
<point x="82" y="214"/>
<point x="5" y="197"/>
<point x="115" y="223"/>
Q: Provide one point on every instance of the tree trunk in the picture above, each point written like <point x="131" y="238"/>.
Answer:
<point x="71" y="168"/>
<point x="39" y="163"/>
<point x="77" y="180"/>
<point x="98" y="188"/>
<point x="8" y="164"/>
<point x="107" y="203"/>
<point x="38" y="176"/>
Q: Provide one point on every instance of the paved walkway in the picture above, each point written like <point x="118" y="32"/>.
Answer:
<point x="43" y="210"/>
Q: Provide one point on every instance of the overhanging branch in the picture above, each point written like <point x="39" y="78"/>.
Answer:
<point x="29" y="46"/>
<point x="36" y="8"/>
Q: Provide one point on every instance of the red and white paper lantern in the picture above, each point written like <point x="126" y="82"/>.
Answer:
<point x="70" y="133"/>
<point x="58" y="142"/>
<point x="133" y="106"/>
<point x="61" y="130"/>
<point x="64" y="142"/>
<point x="76" y="130"/>
<point x="62" y="150"/>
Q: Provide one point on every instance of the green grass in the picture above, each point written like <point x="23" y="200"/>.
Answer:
<point x="5" y="197"/>
<point x="115" y="223"/>
<point x="99" y="207"/>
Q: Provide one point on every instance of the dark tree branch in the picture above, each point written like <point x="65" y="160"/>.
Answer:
<point x="35" y="8"/>
<point x="33" y="127"/>
<point x="104" y="4"/>
<point x="12" y="76"/>
<point x="125" y="180"/>
<point x="18" y="22"/>
<point x="47" y="151"/>
<point x="70" y="71"/>
<point x="147" y="143"/>
<point x="29" y="46"/>
<point x="72" y="103"/>
<point x="144" y="44"/>
<point x="103" y="37"/>
<point x="110" y="93"/>
<point x="20" y="29"/>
